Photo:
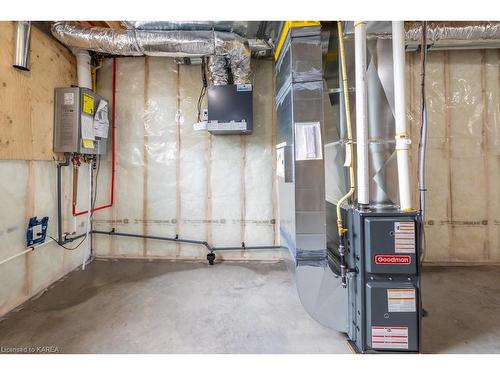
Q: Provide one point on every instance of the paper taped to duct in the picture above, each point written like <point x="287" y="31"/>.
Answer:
<point x="308" y="141"/>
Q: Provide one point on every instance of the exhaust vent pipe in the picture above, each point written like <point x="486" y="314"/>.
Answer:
<point x="22" y="52"/>
<point x="83" y="68"/>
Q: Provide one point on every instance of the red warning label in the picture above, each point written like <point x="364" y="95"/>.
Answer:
<point x="392" y="259"/>
<point x="389" y="337"/>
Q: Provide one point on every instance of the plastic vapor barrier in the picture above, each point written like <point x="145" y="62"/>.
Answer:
<point x="28" y="189"/>
<point x="462" y="88"/>
<point x="463" y="165"/>
<point x="173" y="179"/>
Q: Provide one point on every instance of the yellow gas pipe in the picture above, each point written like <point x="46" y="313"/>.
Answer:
<point x="349" y="147"/>
<point x="94" y="74"/>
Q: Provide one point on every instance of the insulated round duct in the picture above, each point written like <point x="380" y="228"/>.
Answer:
<point x="173" y="43"/>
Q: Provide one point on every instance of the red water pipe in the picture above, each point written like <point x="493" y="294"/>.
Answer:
<point x="113" y="151"/>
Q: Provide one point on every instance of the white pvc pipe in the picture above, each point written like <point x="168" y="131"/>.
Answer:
<point x="361" y="113"/>
<point x="83" y="68"/>
<point x="32" y="248"/>
<point x="402" y="137"/>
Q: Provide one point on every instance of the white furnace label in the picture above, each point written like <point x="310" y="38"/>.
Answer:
<point x="404" y="237"/>
<point x="389" y="337"/>
<point x="401" y="300"/>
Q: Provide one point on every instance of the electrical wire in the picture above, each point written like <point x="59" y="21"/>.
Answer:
<point x="423" y="139"/>
<point x="423" y="127"/>
<point x="69" y="248"/>
<point x="203" y="91"/>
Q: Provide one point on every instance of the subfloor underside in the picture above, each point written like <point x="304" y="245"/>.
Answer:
<point x="166" y="307"/>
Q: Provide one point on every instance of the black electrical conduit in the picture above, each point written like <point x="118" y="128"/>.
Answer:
<point x="211" y="249"/>
<point x="174" y="239"/>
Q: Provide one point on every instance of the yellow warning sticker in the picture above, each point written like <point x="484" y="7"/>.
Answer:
<point x="88" y="104"/>
<point x="88" y="143"/>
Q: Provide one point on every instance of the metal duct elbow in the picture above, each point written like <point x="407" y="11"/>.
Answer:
<point x="22" y="52"/>
<point x="171" y="43"/>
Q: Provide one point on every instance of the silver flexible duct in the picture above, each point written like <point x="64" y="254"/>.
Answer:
<point x="440" y="35"/>
<point x="173" y="43"/>
<point x="217" y="70"/>
<point x="239" y="27"/>
<point x="455" y="35"/>
<point x="258" y="47"/>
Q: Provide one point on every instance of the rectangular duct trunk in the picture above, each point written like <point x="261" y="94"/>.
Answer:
<point x="300" y="170"/>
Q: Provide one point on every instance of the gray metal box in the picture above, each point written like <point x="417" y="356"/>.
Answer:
<point x="75" y="107"/>
<point x="230" y="109"/>
<point x="392" y="321"/>
<point x="383" y="294"/>
<point x="390" y="245"/>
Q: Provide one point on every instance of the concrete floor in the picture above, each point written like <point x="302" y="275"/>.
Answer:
<point x="463" y="304"/>
<point x="163" y="307"/>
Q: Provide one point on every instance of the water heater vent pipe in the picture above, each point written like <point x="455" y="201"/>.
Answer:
<point x="402" y="136"/>
<point x="83" y="68"/>
<point x="361" y="114"/>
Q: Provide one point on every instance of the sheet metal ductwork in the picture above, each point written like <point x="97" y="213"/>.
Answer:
<point x="171" y="43"/>
<point x="22" y="51"/>
<point x="381" y="144"/>
<point x="301" y="176"/>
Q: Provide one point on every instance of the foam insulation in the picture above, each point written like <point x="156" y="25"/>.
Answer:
<point x="172" y="179"/>
<point x="29" y="189"/>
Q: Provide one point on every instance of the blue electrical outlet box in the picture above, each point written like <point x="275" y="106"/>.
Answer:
<point x="37" y="231"/>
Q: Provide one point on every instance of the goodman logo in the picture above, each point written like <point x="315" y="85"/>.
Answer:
<point x="393" y="259"/>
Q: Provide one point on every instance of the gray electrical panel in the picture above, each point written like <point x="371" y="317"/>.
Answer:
<point x="81" y="123"/>
<point x="230" y="109"/>
<point x="384" y="280"/>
